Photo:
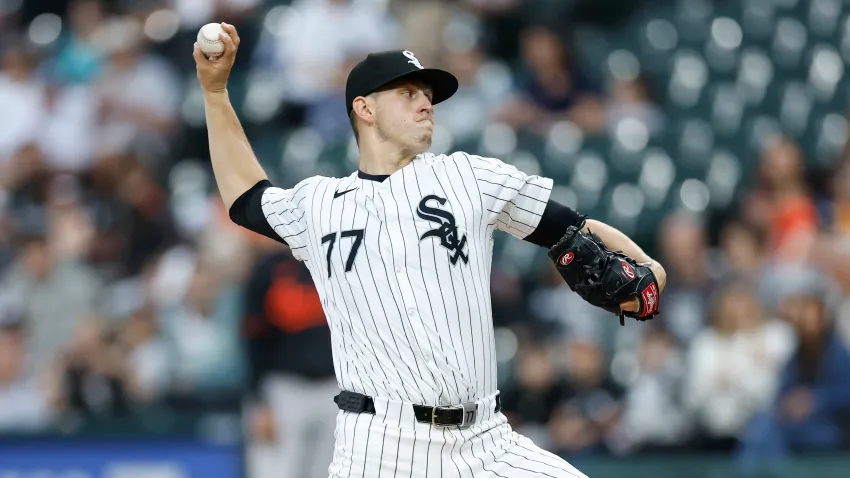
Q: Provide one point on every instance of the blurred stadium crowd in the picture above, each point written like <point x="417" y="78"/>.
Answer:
<point x="712" y="131"/>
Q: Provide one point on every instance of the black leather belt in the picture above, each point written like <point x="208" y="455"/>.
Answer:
<point x="447" y="416"/>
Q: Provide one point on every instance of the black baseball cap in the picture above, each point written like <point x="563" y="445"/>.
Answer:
<point x="382" y="68"/>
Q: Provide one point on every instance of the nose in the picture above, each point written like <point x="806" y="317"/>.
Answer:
<point x="426" y="107"/>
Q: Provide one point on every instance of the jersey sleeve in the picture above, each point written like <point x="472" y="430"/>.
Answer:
<point x="513" y="200"/>
<point x="275" y="213"/>
<point x="282" y="212"/>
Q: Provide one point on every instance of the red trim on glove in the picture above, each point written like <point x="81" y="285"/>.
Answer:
<point x="649" y="298"/>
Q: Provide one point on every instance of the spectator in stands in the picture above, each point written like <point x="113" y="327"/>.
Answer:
<point x="630" y="99"/>
<point x="77" y="59"/>
<point x="292" y="378"/>
<point x="56" y="292"/>
<point x="591" y="408"/>
<point x="92" y="372"/>
<point x="138" y="94"/>
<point x="23" y="95"/>
<point x="68" y="131"/>
<point x="326" y="114"/>
<point x="742" y="250"/>
<point x="25" y="400"/>
<point x="781" y="204"/>
<point x="148" y="364"/>
<point x="734" y="365"/>
<point x="562" y="311"/>
<point x="508" y="298"/>
<point x="421" y="24"/>
<point x="811" y="409"/>
<point x="654" y="417"/>
<point x="202" y="331"/>
<point x="534" y="391"/>
<point x="71" y="227"/>
<point x="312" y="43"/>
<point x="480" y="90"/>
<point x="831" y="253"/>
<point x="132" y="216"/>
<point x="550" y="87"/>
<point x="683" y="245"/>
<point x="27" y="183"/>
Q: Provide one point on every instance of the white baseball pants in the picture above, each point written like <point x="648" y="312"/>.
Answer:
<point x="393" y="444"/>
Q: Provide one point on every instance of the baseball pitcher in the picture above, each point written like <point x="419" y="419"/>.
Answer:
<point x="400" y="253"/>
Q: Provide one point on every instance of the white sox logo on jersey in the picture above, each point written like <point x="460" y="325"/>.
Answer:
<point x="447" y="232"/>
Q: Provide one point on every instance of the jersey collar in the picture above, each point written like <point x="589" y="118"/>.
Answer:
<point x="382" y="177"/>
<point x="372" y="177"/>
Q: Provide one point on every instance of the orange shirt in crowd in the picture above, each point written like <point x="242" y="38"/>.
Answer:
<point x="793" y="226"/>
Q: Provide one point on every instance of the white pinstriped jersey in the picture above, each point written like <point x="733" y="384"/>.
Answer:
<point x="403" y="269"/>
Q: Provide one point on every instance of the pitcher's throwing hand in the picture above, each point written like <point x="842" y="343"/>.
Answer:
<point x="213" y="73"/>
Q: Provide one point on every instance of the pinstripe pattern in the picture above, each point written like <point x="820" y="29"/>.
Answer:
<point x="391" y="444"/>
<point x="402" y="268"/>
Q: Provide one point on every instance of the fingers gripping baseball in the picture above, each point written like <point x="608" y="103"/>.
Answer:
<point x="214" y="57"/>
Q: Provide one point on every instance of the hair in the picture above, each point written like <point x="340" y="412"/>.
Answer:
<point x="352" y="118"/>
<point x="732" y="284"/>
<point x="747" y="227"/>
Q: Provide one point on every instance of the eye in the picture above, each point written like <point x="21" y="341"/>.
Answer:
<point x="406" y="92"/>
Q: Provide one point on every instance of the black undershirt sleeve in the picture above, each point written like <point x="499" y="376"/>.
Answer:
<point x="553" y="224"/>
<point x="247" y="211"/>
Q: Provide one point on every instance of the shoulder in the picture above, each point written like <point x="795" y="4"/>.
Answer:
<point x="706" y="343"/>
<point x="780" y="339"/>
<point x="308" y="185"/>
<point x="298" y="196"/>
<point x="462" y="158"/>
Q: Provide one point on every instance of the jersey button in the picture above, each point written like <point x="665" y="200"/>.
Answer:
<point x="398" y="270"/>
<point x="393" y="226"/>
<point x="411" y="312"/>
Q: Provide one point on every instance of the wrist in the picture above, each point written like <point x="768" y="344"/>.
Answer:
<point x="660" y="274"/>
<point x="216" y="94"/>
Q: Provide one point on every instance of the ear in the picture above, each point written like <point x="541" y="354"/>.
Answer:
<point x="364" y="107"/>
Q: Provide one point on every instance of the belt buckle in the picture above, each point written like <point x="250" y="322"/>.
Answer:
<point x="470" y="412"/>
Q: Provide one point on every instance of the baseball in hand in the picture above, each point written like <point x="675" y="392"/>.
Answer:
<point x="209" y="40"/>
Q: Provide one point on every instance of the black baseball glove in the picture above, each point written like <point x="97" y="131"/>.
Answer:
<point x="605" y="278"/>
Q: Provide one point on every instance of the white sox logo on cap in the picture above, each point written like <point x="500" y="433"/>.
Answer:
<point x="413" y="61"/>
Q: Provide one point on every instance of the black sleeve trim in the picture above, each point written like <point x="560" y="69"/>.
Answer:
<point x="553" y="224"/>
<point x="247" y="211"/>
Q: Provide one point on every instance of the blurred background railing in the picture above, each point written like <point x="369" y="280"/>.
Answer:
<point x="140" y="328"/>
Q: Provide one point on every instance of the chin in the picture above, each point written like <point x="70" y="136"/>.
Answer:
<point x="417" y="147"/>
<point x="425" y="142"/>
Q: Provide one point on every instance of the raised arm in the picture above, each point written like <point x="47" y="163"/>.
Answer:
<point x="234" y="164"/>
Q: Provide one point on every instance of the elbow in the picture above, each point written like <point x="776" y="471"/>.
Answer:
<point x="229" y="200"/>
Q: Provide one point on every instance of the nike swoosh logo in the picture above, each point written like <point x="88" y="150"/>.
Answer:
<point x="338" y="194"/>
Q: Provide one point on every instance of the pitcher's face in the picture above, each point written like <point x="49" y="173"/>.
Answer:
<point x="405" y="115"/>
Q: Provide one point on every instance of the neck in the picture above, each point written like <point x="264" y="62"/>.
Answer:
<point x="380" y="159"/>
